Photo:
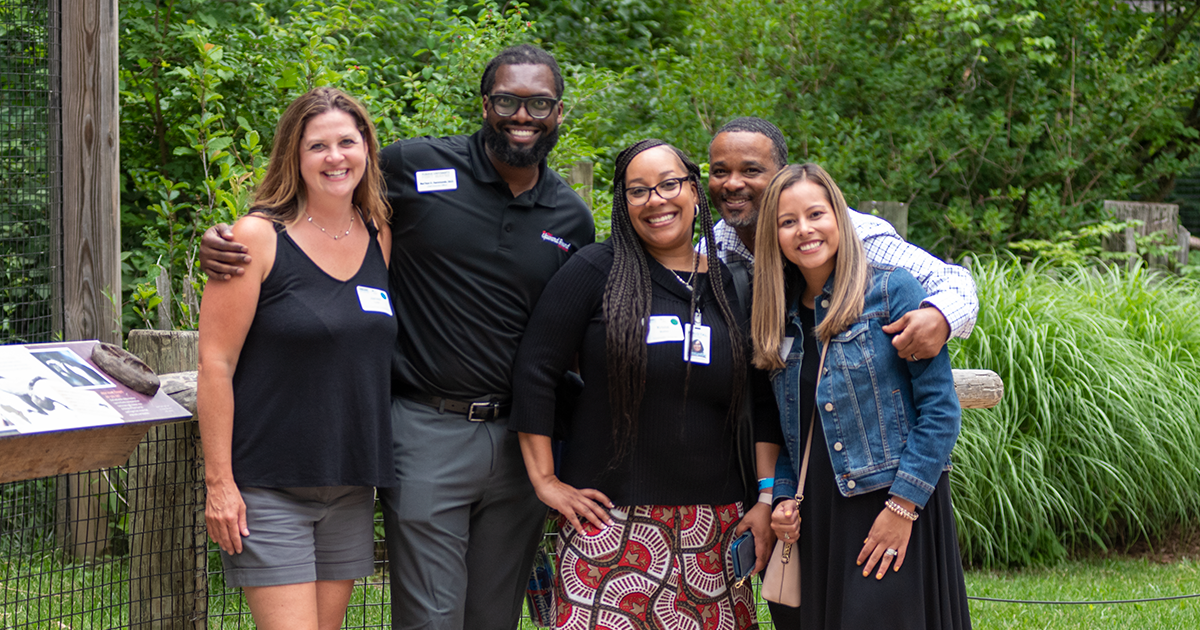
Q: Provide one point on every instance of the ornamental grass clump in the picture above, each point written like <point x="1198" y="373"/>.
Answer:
<point x="1096" y="443"/>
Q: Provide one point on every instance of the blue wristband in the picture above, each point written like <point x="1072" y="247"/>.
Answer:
<point x="766" y="483"/>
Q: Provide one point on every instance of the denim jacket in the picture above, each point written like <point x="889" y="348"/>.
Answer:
<point x="888" y="422"/>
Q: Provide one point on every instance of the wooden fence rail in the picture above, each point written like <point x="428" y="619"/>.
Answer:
<point x="180" y="604"/>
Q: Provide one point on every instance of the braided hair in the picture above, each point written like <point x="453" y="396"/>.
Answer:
<point x="627" y="296"/>
<point x="750" y="124"/>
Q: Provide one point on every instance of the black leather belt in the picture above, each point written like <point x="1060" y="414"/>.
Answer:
<point x="476" y="411"/>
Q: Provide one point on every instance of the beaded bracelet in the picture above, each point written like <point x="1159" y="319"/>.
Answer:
<point x="766" y="483"/>
<point x="899" y="509"/>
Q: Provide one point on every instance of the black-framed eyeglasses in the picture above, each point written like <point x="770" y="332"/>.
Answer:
<point x="508" y="105"/>
<point x="666" y="189"/>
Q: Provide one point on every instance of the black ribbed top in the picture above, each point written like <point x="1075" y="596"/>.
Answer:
<point x="684" y="452"/>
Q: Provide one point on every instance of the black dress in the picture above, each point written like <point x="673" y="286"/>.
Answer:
<point x="928" y="593"/>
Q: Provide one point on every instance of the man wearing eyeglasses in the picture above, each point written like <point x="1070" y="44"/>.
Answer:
<point x="479" y="225"/>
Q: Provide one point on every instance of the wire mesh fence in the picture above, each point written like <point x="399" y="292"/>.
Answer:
<point x="1187" y="195"/>
<point x="127" y="548"/>
<point x="30" y="170"/>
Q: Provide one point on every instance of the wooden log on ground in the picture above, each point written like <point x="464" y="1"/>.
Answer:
<point x="168" y="559"/>
<point x="894" y="212"/>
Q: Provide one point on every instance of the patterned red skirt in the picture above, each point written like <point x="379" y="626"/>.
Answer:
<point x="656" y="568"/>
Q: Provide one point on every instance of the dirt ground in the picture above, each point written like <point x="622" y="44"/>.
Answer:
<point x="1180" y="544"/>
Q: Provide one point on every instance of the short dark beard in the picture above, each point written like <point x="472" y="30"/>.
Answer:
<point x="744" y="221"/>
<point x="497" y="142"/>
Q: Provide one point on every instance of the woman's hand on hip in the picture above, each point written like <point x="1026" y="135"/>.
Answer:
<point x="225" y="515"/>
<point x="785" y="520"/>
<point x="573" y="503"/>
<point x="886" y="545"/>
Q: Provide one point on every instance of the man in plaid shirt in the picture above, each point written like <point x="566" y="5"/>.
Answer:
<point x="743" y="157"/>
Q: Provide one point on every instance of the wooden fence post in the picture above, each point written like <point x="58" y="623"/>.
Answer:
<point x="1155" y="217"/>
<point x="1185" y="241"/>
<point x="168" y="559"/>
<point x="91" y="227"/>
<point x="583" y="173"/>
<point x="894" y="212"/>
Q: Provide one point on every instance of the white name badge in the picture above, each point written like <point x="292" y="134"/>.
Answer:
<point x="374" y="300"/>
<point x="664" y="328"/>
<point x="785" y="348"/>
<point x="434" y="181"/>
<point x="699" y="348"/>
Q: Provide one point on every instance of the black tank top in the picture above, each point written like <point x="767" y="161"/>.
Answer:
<point x="312" y="385"/>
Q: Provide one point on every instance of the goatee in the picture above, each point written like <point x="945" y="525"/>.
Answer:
<point x="497" y="142"/>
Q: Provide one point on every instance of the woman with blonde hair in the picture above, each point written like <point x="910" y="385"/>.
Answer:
<point x="878" y="544"/>
<point x="295" y="354"/>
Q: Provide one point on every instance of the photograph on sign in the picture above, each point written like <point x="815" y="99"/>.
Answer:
<point x="72" y="369"/>
<point x="51" y="390"/>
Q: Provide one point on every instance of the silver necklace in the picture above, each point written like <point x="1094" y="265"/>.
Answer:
<point x="687" y="285"/>
<point x="333" y="236"/>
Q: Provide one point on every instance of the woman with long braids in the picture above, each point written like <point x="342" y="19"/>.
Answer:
<point x="650" y="483"/>
<point x="875" y="529"/>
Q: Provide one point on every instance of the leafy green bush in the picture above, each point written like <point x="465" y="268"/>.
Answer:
<point x="1096" y="442"/>
<point x="996" y="121"/>
<point x="204" y="83"/>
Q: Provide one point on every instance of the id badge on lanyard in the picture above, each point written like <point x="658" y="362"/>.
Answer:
<point x="697" y="342"/>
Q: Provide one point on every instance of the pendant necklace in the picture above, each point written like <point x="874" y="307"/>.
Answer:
<point x="688" y="284"/>
<point x="332" y="236"/>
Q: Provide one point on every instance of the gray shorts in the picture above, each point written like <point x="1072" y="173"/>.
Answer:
<point x="302" y="535"/>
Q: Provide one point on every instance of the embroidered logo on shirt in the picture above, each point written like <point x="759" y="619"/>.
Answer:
<point x="550" y="238"/>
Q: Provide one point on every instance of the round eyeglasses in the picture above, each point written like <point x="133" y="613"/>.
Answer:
<point x="536" y="106"/>
<point x="666" y="189"/>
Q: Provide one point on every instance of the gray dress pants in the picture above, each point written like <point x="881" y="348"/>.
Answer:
<point x="462" y="524"/>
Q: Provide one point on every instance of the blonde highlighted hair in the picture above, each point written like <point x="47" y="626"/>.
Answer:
<point x="773" y="272"/>
<point x="281" y="195"/>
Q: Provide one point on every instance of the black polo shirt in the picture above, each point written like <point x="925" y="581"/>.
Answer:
<point x="469" y="262"/>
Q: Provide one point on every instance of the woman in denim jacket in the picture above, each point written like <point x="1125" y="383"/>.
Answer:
<point x="877" y="495"/>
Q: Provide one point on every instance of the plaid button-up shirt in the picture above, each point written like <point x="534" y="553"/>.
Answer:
<point x="950" y="288"/>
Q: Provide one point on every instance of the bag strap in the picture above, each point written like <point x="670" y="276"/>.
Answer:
<point x="741" y="281"/>
<point x="811" y="425"/>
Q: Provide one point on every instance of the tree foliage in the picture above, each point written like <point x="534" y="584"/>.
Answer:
<point x="996" y="121"/>
<point x="1003" y="123"/>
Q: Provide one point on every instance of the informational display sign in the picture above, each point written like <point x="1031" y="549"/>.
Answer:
<point x="56" y="387"/>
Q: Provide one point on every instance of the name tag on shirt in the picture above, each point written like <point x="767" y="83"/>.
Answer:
<point x="699" y="348"/>
<point x="435" y="181"/>
<point x="374" y="300"/>
<point x="664" y="328"/>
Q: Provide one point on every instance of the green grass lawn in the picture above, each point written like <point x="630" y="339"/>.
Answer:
<point x="94" y="597"/>
<point x="1089" y="580"/>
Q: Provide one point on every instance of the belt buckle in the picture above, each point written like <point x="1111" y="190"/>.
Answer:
<point x="483" y="407"/>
